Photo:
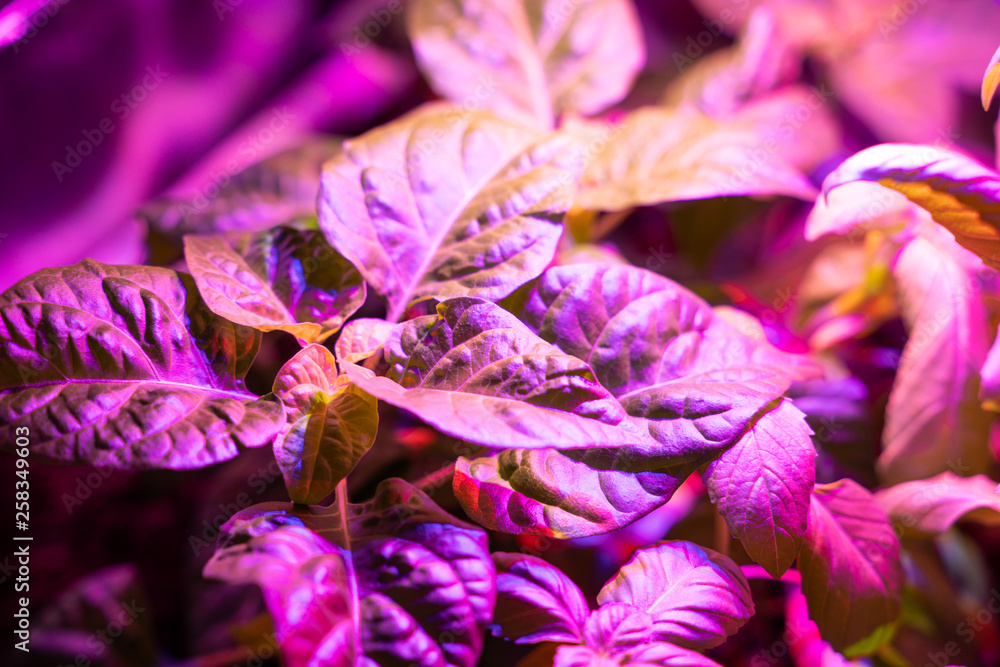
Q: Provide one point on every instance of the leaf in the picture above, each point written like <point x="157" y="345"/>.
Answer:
<point x="475" y="372"/>
<point x="331" y="424"/>
<point x="685" y="375"/>
<point x="283" y="279"/>
<point x="544" y="492"/>
<point x="658" y="155"/>
<point x="445" y="202"/>
<point x="274" y="191"/>
<point x="617" y="628"/>
<point x="114" y="597"/>
<point x="126" y="367"/>
<point x="991" y="79"/>
<point x="362" y="338"/>
<point x="696" y="597"/>
<point x="763" y="484"/>
<point x="929" y="507"/>
<point x="960" y="194"/>
<point x="851" y="573"/>
<point x="934" y="419"/>
<point x="529" y="60"/>
<point x="536" y="602"/>
<point x="422" y="583"/>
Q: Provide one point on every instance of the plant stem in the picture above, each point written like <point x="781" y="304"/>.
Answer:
<point x="432" y="482"/>
<point x="722" y="535"/>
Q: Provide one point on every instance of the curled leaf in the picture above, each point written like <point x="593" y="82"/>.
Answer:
<point x="283" y="279"/>
<point x="929" y="507"/>
<point x="536" y="602"/>
<point x="851" y="573"/>
<point x="961" y="195"/>
<point x="361" y="339"/>
<point x="126" y="367"/>
<point x="991" y="79"/>
<point x="529" y="60"/>
<point x="331" y="424"/>
<point x="695" y="596"/>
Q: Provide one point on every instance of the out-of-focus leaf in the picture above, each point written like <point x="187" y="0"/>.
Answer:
<point x="273" y="191"/>
<point x="536" y="602"/>
<point x="282" y="279"/>
<point x="126" y="367"/>
<point x="762" y="486"/>
<point x="544" y="492"/>
<point x="934" y="419"/>
<point x="929" y="507"/>
<point x="362" y="338"/>
<point x="959" y="193"/>
<point x="529" y="59"/>
<point x="991" y="79"/>
<point x="445" y="202"/>
<point x="695" y="596"/>
<point x="394" y="580"/>
<point x="851" y="574"/>
<point x="661" y="155"/>
<point x="477" y="373"/>
<point x="858" y="207"/>
<point x="331" y="424"/>
<point x="66" y="632"/>
<point x="688" y="377"/>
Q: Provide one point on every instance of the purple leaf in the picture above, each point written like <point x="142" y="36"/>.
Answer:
<point x="273" y="191"/>
<point x="125" y="367"/>
<point x="763" y="484"/>
<point x="695" y="596"/>
<point x="282" y="279"/>
<point x="475" y="372"/>
<point x="658" y="155"/>
<point x="536" y="602"/>
<point x="361" y="339"/>
<point x="692" y="380"/>
<point x="545" y="492"/>
<point x="422" y="582"/>
<point x="445" y="202"/>
<point x="851" y="574"/>
<point x="934" y="418"/>
<point x="533" y="59"/>
<point x="617" y="627"/>
<point x="960" y="194"/>
<point x="331" y="423"/>
<point x="929" y="507"/>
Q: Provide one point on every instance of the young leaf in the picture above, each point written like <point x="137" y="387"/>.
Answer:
<point x="283" y="279"/>
<point x="991" y="79"/>
<point x="763" y="484"/>
<point x="959" y="193"/>
<point x="444" y="202"/>
<point x="544" y="492"/>
<point x="475" y="372"/>
<point x="126" y="367"/>
<point x="331" y="424"/>
<point x="695" y="596"/>
<point x="361" y="339"/>
<point x="934" y="418"/>
<point x="529" y="60"/>
<point x="396" y="577"/>
<point x="692" y="380"/>
<point x="851" y="574"/>
<point x="536" y="602"/>
<point x="661" y="155"/>
<point x="929" y="507"/>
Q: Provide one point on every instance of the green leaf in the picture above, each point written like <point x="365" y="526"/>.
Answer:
<point x="331" y="424"/>
<point x="283" y="279"/>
